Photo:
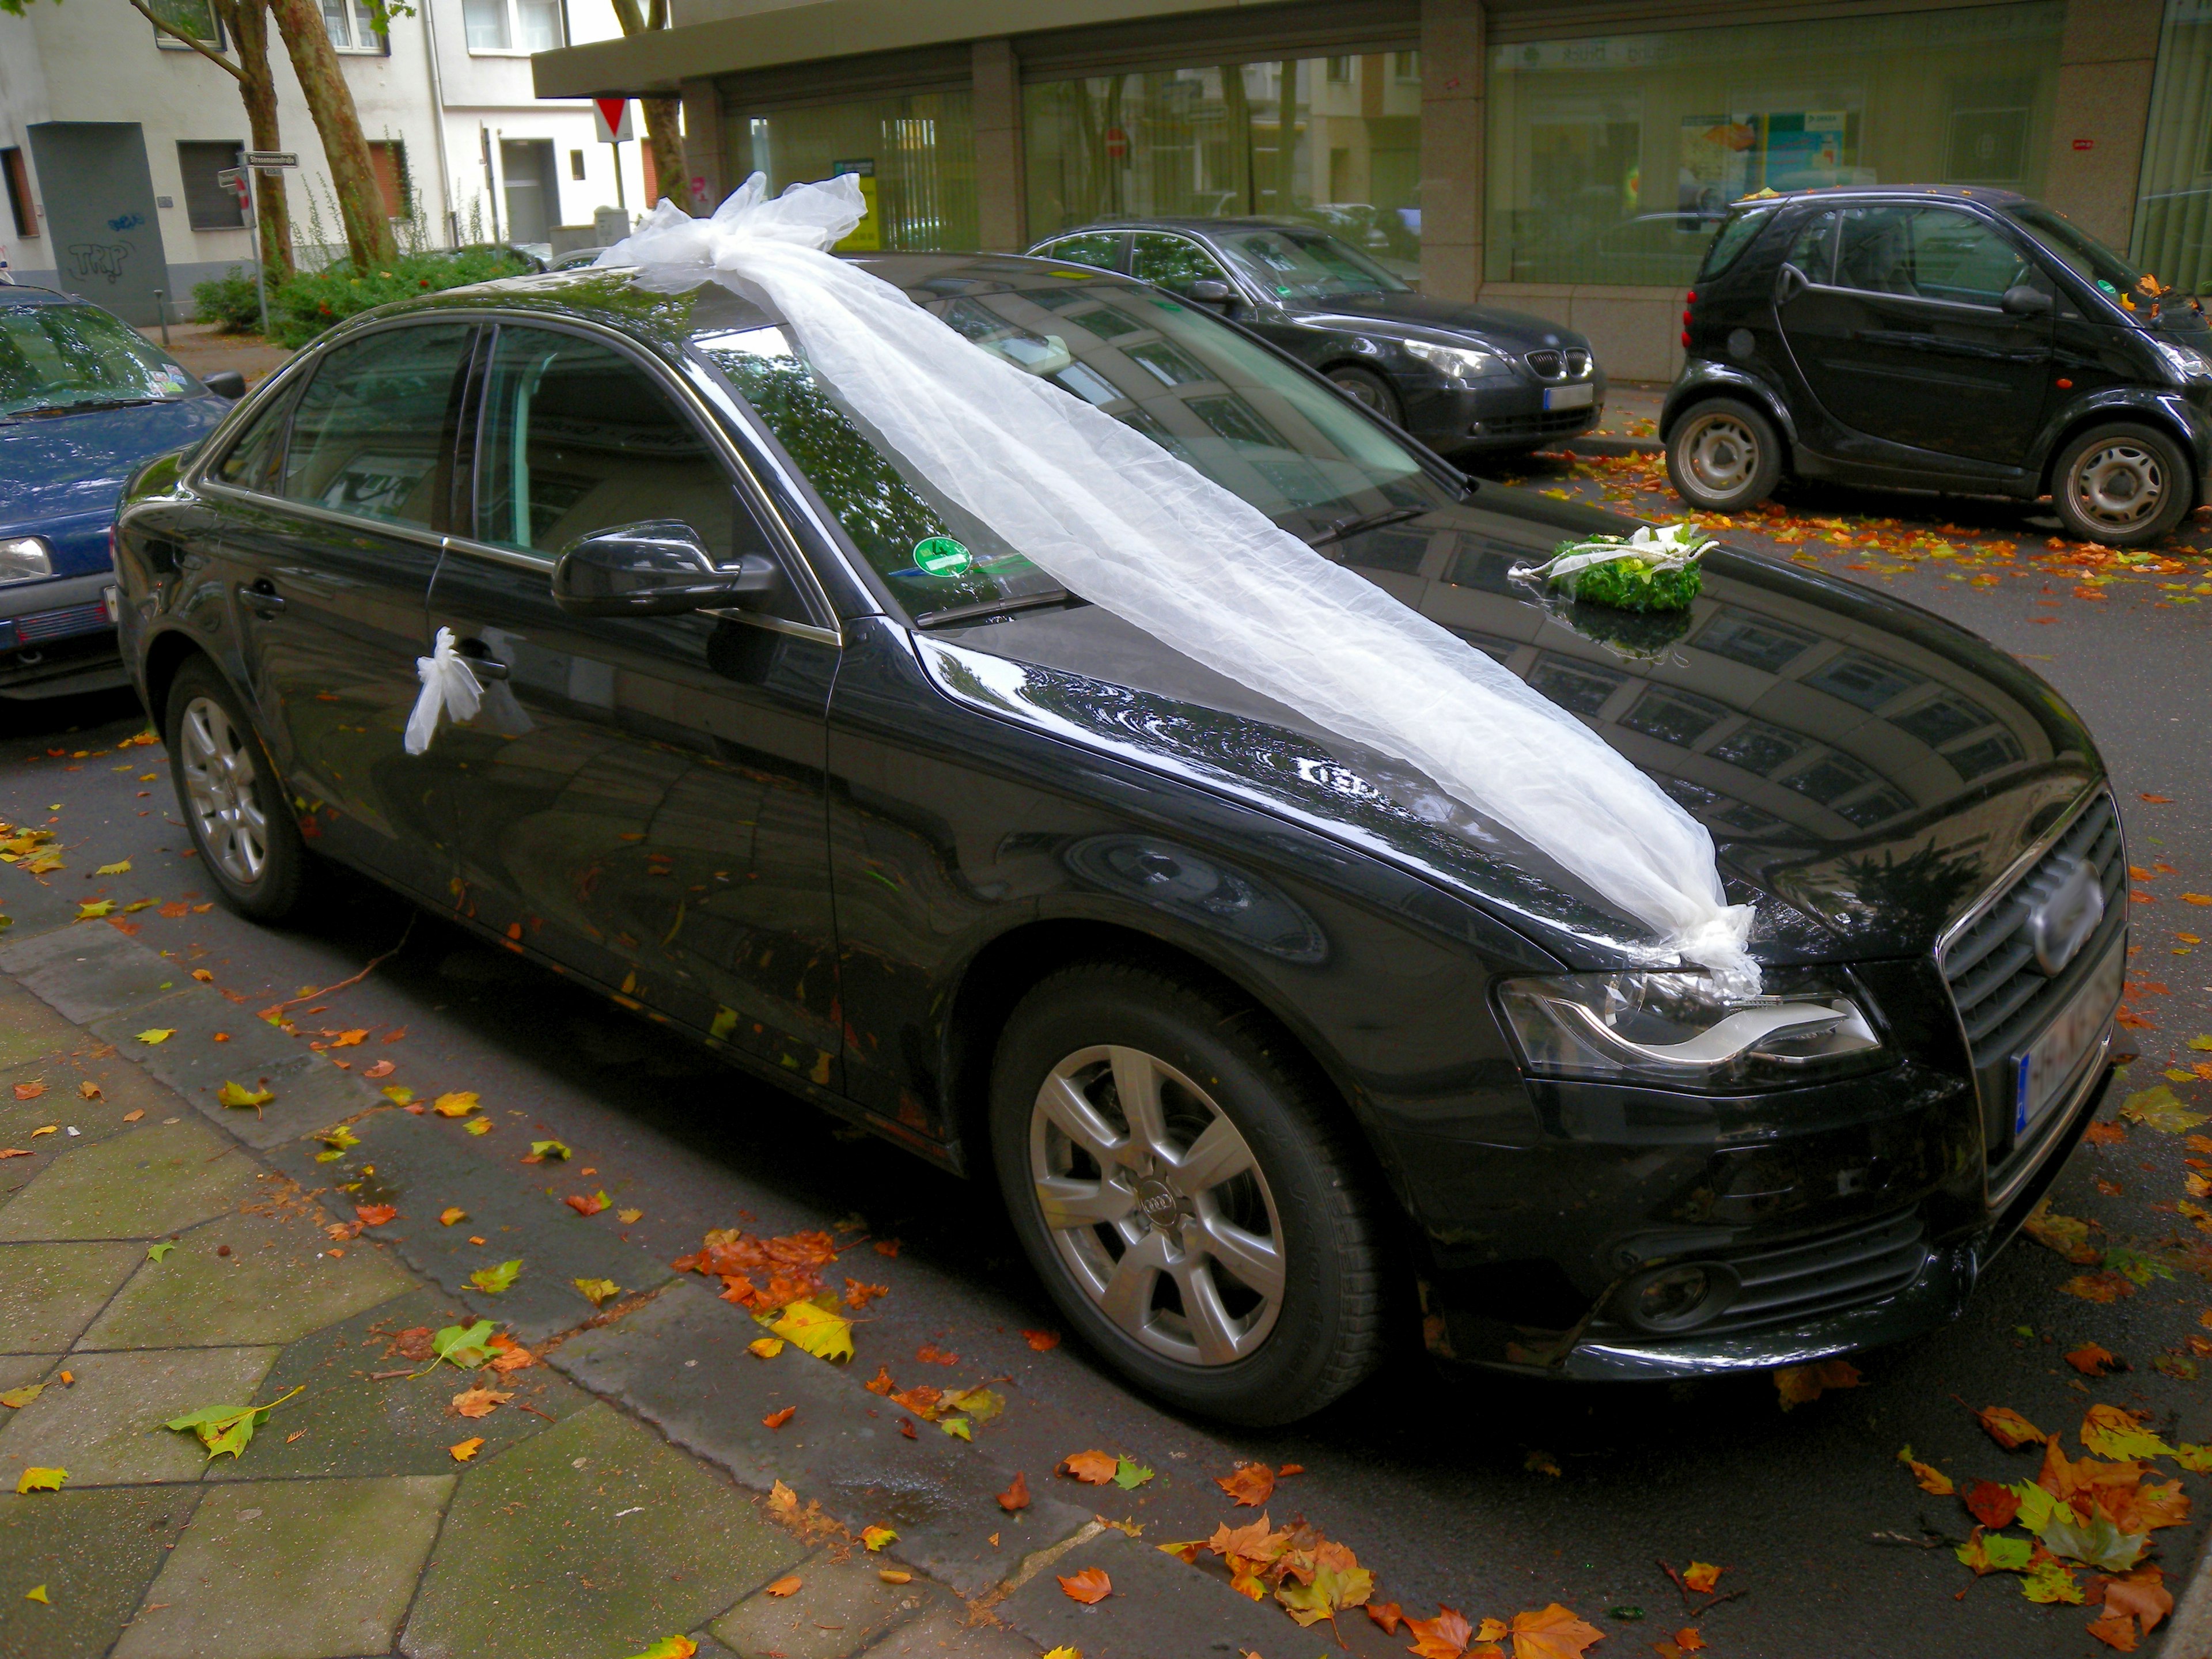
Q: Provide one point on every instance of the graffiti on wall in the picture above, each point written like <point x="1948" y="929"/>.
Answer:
<point x="91" y="259"/>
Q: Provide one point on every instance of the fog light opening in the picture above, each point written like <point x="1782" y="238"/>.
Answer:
<point x="1676" y="1298"/>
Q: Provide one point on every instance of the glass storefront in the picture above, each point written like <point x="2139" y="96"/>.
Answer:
<point x="1331" y="142"/>
<point x="915" y="156"/>
<point x="2173" y="204"/>
<point x="1612" y="159"/>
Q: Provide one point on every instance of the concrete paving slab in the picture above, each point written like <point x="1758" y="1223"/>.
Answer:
<point x="17" y="1368"/>
<point x="160" y="1178"/>
<point x="586" y="1537"/>
<point x="105" y="1429"/>
<point x="29" y="1030"/>
<point x="95" y="1552"/>
<point x="88" y="971"/>
<point x="123" y="1089"/>
<point x="37" y="905"/>
<point x="841" y="1607"/>
<point x="278" y="1281"/>
<point x="310" y="1096"/>
<point x="50" y="1293"/>
<point x="950" y="1634"/>
<point x="354" y="1417"/>
<point x="1152" y="1593"/>
<point x="292" y="1569"/>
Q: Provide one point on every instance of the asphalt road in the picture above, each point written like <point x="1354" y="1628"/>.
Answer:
<point x="1426" y="1473"/>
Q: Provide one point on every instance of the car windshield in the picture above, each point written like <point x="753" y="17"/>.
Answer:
<point x="1303" y="265"/>
<point x="54" y="358"/>
<point x="2089" y="258"/>
<point x="1253" y="422"/>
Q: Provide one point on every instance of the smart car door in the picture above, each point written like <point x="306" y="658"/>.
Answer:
<point x="331" y="562"/>
<point x="640" y="797"/>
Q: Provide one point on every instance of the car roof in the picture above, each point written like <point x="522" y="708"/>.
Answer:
<point x="12" y="293"/>
<point x="1892" y="192"/>
<point x="1201" y="226"/>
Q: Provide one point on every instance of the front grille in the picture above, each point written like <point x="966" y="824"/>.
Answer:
<point x="1825" y="1275"/>
<point x="53" y="624"/>
<point x="1572" y="363"/>
<point x="1546" y="425"/>
<point x="2002" y="997"/>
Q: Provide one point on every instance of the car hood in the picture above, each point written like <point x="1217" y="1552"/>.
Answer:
<point x="64" y="465"/>
<point x="1516" y="330"/>
<point x="1867" y="769"/>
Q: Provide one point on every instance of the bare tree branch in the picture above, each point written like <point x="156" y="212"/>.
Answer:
<point x="199" y="47"/>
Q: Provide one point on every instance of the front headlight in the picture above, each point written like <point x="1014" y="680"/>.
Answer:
<point x="2188" y="363"/>
<point x="1459" y="363"/>
<point x="1669" y="1031"/>
<point x="22" y="557"/>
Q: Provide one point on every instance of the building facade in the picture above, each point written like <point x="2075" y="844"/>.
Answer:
<point x="112" y="135"/>
<point x="1566" y="157"/>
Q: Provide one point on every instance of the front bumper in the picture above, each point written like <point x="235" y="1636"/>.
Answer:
<point x="1509" y="415"/>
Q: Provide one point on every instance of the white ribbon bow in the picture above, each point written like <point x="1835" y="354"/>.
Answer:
<point x="447" y="685"/>
<point x="1670" y="548"/>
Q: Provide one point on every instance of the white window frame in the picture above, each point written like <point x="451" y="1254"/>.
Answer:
<point x="219" y="41"/>
<point x="364" y="41"/>
<point x="513" y="12"/>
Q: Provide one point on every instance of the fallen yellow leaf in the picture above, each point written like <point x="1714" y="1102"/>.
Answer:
<point x="466" y="1448"/>
<point x="765" y="1347"/>
<point x="156" y="1035"/>
<point x="458" y="1103"/>
<point x="37" y="1480"/>
<point x="822" y="1334"/>
<point x="452" y="1213"/>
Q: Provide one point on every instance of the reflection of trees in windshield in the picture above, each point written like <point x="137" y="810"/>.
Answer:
<point x="53" y="355"/>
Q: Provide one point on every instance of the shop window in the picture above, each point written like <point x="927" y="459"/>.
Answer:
<point x="1613" y="159"/>
<point x="209" y="205"/>
<point x="2173" y="202"/>
<point x="194" y="17"/>
<point x="913" y="156"/>
<point x="1332" y="141"/>
<point x="18" y="179"/>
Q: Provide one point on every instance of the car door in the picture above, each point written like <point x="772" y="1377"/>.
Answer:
<point x="331" y="558"/>
<point x="639" y="799"/>
<point x="1906" y="338"/>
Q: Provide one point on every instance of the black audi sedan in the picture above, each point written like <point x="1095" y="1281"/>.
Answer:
<point x="1270" y="1046"/>
<point x="1935" y="337"/>
<point x="1458" y="377"/>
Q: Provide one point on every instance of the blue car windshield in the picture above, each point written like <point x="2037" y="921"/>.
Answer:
<point x="54" y="358"/>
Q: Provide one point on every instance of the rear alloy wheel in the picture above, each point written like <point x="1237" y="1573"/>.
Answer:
<point x="233" y="802"/>
<point x="2123" y="485"/>
<point x="1188" y="1192"/>
<point x="1724" y="456"/>
<point x="1369" y="390"/>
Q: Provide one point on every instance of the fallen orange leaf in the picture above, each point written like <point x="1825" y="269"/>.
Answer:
<point x="1093" y="1468"/>
<point x="1554" y="1634"/>
<point x="586" y="1204"/>
<point x="1043" y="1341"/>
<point x="1701" y="1578"/>
<point x="1249" y="1485"/>
<point x="1444" y="1637"/>
<point x="1017" y="1496"/>
<point x="2091" y="1360"/>
<point x="479" y="1402"/>
<point x="930" y="1354"/>
<point x="1090" y="1585"/>
<point x="2007" y="1427"/>
<point x="466" y="1448"/>
<point x="375" y="1215"/>
<point x="1388" y="1614"/>
<point x="1802" y="1384"/>
<point x="786" y="1585"/>
<point x="777" y="1419"/>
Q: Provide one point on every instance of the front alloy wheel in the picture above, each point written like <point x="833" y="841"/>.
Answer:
<point x="222" y="792"/>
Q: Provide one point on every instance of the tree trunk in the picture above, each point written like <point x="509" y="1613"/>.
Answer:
<point x="664" y="131"/>
<point x="329" y="101"/>
<point x="247" y="21"/>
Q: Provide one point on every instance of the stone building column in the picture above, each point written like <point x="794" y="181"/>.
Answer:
<point x="706" y="146"/>
<point x="2106" y="60"/>
<point x="1452" y="46"/>
<point x="1001" y="201"/>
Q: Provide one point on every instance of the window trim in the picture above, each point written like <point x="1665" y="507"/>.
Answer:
<point x="380" y="46"/>
<point x="513" y="13"/>
<point x="168" y="42"/>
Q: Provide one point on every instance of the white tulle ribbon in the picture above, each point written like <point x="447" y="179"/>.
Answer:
<point x="448" y="687"/>
<point x="1110" y="515"/>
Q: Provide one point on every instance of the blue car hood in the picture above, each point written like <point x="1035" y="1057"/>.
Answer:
<point x="64" y="466"/>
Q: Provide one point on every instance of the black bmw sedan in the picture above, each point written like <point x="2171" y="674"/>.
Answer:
<point x="1269" y="1046"/>
<point x="1458" y="377"/>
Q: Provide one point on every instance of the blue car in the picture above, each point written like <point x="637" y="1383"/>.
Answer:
<point x="85" y="400"/>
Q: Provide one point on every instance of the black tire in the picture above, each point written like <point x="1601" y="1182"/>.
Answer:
<point x="2121" y="485"/>
<point x="1724" y="456"/>
<point x="239" y="820"/>
<point x="1302" y="1196"/>
<point x="1369" y="390"/>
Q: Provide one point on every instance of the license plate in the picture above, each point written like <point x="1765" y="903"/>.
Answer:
<point x="2051" y="1059"/>
<point x="112" y="598"/>
<point x="1570" y="397"/>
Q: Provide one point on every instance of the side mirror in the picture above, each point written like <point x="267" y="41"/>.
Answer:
<point x="656" y="568"/>
<point x="1209" y="291"/>
<point x="225" y="383"/>
<point x="2024" y="301"/>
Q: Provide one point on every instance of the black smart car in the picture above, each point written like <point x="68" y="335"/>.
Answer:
<point x="1927" y="338"/>
<point x="1458" y="377"/>
<point x="1269" y="1048"/>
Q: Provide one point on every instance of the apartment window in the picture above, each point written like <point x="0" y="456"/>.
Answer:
<point x="195" y="17"/>
<point x="19" y="192"/>
<point x="1406" y="66"/>
<point x="575" y="164"/>
<point x="209" y="205"/>
<point x="352" y="28"/>
<point x="388" y="156"/>
<point x="512" y="25"/>
<point x="1339" y="70"/>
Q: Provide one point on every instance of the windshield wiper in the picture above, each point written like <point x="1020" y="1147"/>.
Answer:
<point x="1343" y="527"/>
<point x="80" y="408"/>
<point x="960" y="613"/>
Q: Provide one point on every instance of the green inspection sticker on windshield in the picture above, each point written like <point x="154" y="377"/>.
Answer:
<point x="940" y="556"/>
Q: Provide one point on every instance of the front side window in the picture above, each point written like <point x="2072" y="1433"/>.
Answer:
<point x="1929" y="253"/>
<point x="1099" y="248"/>
<point x="1173" y="261"/>
<point x="253" y="456"/>
<point x="1298" y="264"/>
<point x="58" y="358"/>
<point x="374" y="431"/>
<point x="2082" y="253"/>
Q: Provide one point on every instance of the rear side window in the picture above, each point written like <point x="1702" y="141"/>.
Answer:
<point x="374" y="434"/>
<point x="1736" y="233"/>
<point x="1099" y="248"/>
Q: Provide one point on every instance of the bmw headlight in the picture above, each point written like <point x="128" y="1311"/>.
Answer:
<point x="1669" y="1030"/>
<point x="1458" y="364"/>
<point x="2189" y="365"/>
<point x="22" y="557"/>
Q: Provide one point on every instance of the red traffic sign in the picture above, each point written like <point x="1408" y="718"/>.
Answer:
<point x="613" y="115"/>
<point x="1117" y="142"/>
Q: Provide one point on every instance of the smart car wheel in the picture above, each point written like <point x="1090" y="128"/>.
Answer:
<point x="2121" y="485"/>
<point x="1188" y="1192"/>
<point x="1724" y="456"/>
<point x="233" y="804"/>
<point x="1369" y="390"/>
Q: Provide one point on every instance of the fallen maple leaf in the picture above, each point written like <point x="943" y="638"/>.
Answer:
<point x="930" y="1354"/>
<point x="670" y="1647"/>
<point x="39" y="1479"/>
<point x="1700" y="1577"/>
<point x="1043" y="1341"/>
<point x="782" y="1500"/>
<point x="822" y="1334"/>
<point x="1993" y="1505"/>
<point x="629" y="1218"/>
<point x="1093" y="1468"/>
<point x="452" y="1213"/>
<point x="1444" y="1637"/>
<point x="2116" y="1630"/>
<point x="493" y="1280"/>
<point x="29" y="1091"/>
<point x="2067" y="1235"/>
<point x="375" y="1215"/>
<point x="467" y="1449"/>
<point x="479" y="1402"/>
<point x="2091" y="1360"/>
<point x="597" y="1291"/>
<point x="459" y="1103"/>
<point x="2100" y="1288"/>
<point x="1388" y="1614"/>
<point x="1800" y="1385"/>
<point x="2104" y="1134"/>
<point x="2007" y="1427"/>
<point x="2110" y="1433"/>
<point x="237" y="1094"/>
<point x="765" y="1347"/>
<point x="87" y="1090"/>
<point x="1017" y="1496"/>
<point x="1553" y="1633"/>
<point x="1932" y="1479"/>
<point x="382" y="1068"/>
<point x="586" y="1204"/>
<point x="348" y="1039"/>
<point x="785" y="1586"/>
<point x="777" y="1419"/>
<point x="1248" y="1486"/>
<point x="1090" y="1585"/>
<point x="857" y="1295"/>
<point x="876" y="1537"/>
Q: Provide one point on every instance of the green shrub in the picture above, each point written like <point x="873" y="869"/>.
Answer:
<point x="229" y="301"/>
<point x="309" y="303"/>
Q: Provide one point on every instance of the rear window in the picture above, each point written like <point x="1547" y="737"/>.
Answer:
<point x="1736" y="233"/>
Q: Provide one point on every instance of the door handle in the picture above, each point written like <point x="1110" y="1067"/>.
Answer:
<point x="476" y="655"/>
<point x="261" y="599"/>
